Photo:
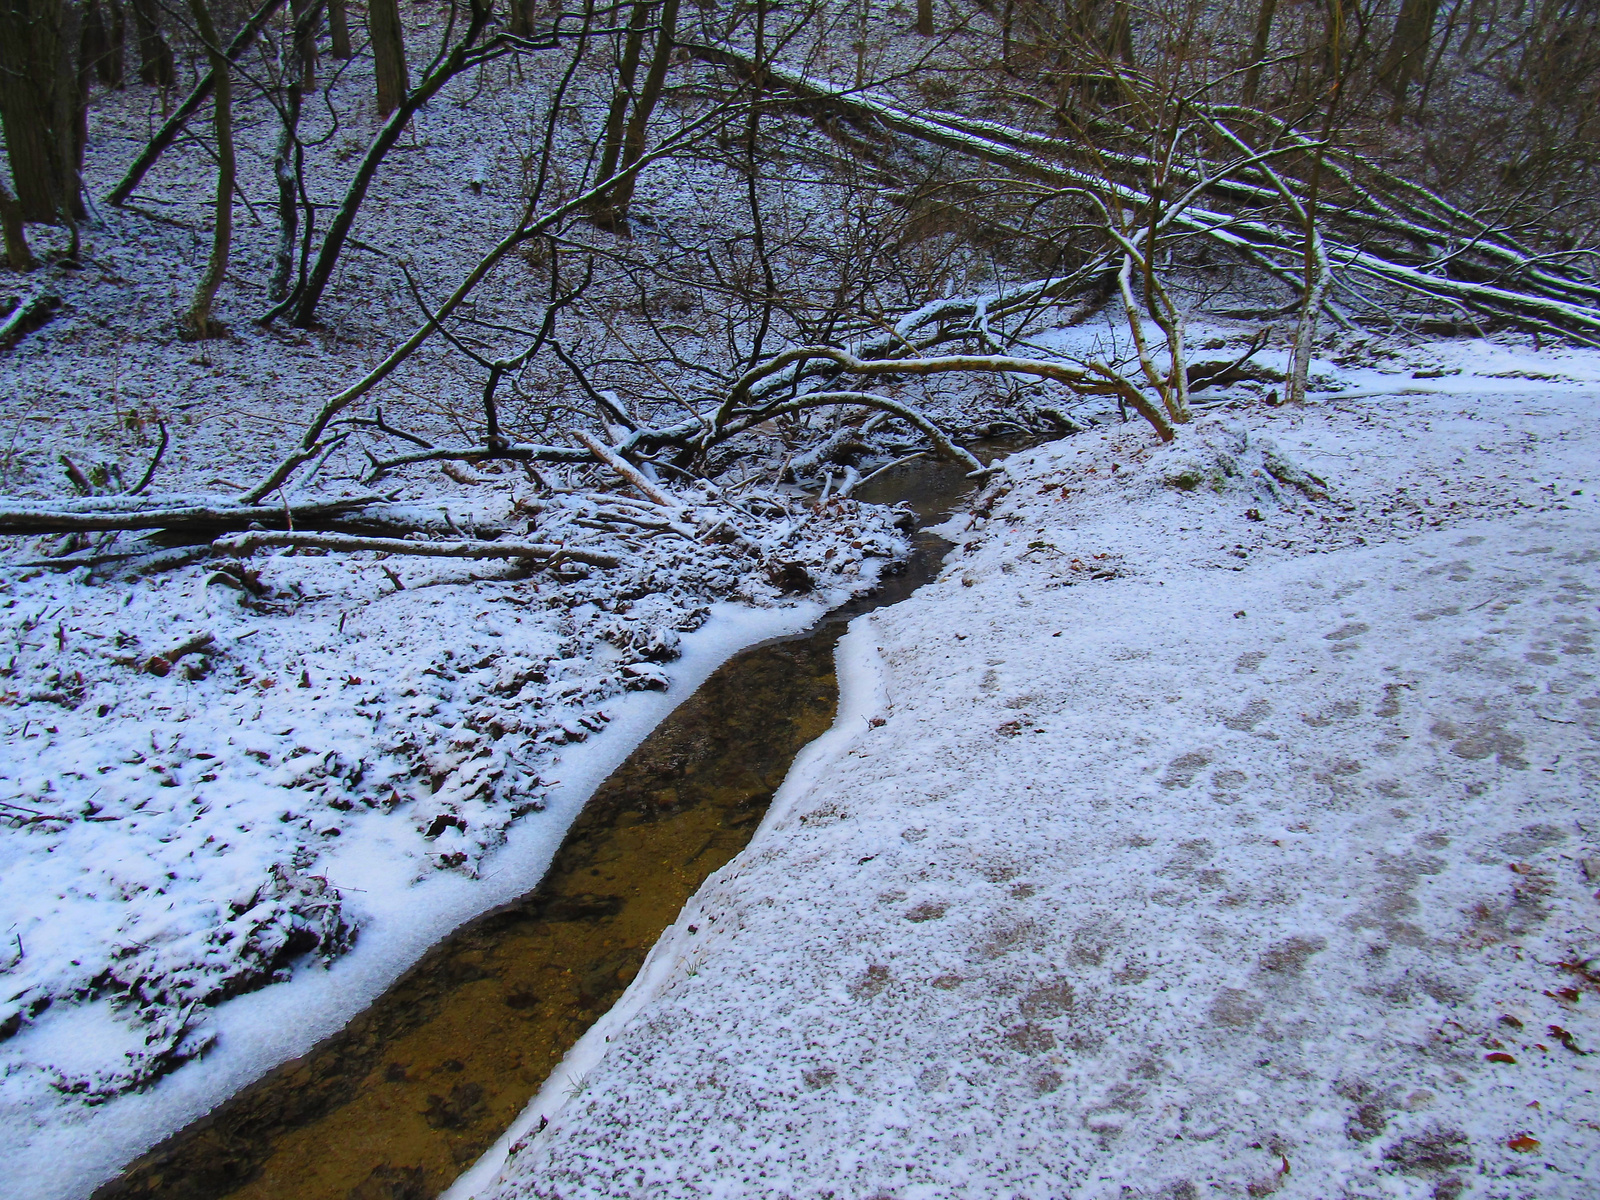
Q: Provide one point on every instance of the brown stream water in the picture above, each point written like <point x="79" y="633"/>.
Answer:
<point x="412" y="1091"/>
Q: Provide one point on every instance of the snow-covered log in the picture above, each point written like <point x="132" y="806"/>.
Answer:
<point x="95" y="513"/>
<point x="26" y="317"/>
<point x="545" y="553"/>
<point x="627" y="470"/>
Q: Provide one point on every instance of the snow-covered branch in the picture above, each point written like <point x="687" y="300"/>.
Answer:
<point x="542" y="553"/>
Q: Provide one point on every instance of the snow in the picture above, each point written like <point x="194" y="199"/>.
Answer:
<point x="364" y="754"/>
<point x="205" y="870"/>
<point x="1205" y="829"/>
<point x="400" y="915"/>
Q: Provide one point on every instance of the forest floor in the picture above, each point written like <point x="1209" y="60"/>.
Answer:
<point x="216" y="782"/>
<point x="1220" y="823"/>
<point x="218" y="778"/>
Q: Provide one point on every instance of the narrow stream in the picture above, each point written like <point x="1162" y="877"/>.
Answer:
<point x="412" y="1091"/>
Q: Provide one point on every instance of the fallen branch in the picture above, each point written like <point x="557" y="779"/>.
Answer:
<point x="627" y="470"/>
<point x="155" y="461"/>
<point x="512" y="452"/>
<point x="161" y="664"/>
<point x="1079" y="379"/>
<point x="527" y="228"/>
<point x="547" y="553"/>
<point x="1220" y="374"/>
<point x="154" y="558"/>
<point x="1509" y="283"/>
<point x="128" y="512"/>
<point x="25" y="318"/>
<point x="592" y="513"/>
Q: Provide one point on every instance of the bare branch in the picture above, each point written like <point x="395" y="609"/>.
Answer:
<point x="155" y="461"/>
<point x="544" y="553"/>
<point x="124" y="512"/>
<point x="628" y="471"/>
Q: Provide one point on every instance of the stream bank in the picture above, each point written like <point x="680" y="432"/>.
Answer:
<point x="413" y="1090"/>
<point x="1228" y="840"/>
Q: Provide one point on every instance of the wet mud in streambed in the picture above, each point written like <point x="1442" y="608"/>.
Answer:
<point x="412" y="1091"/>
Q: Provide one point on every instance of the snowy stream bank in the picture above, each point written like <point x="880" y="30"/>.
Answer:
<point x="259" y="1030"/>
<point x="389" y="870"/>
<point x="1221" y="823"/>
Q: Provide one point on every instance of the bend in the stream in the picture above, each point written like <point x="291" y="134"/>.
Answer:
<point x="415" y="1088"/>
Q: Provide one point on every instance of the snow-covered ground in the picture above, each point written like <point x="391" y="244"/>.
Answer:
<point x="355" y="756"/>
<point x="217" y="778"/>
<point x="1222" y="822"/>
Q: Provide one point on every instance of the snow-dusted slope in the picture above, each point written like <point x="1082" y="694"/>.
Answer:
<point x="1220" y="827"/>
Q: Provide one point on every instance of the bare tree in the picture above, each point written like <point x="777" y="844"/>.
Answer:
<point x="522" y="17"/>
<point x="18" y="256"/>
<point x="155" y="55"/>
<point x="469" y="51"/>
<point x="634" y="140"/>
<point x="192" y="103"/>
<point x="41" y="104"/>
<point x="339" y="29"/>
<point x="1082" y="149"/>
<point x="196" y="321"/>
<point x="617" y="116"/>
<point x="288" y="154"/>
<point x="306" y="20"/>
<point x="388" y="53"/>
<point x="103" y="41"/>
<point x="1407" y="58"/>
<point x="1266" y="10"/>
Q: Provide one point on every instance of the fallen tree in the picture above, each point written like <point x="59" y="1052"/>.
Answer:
<point x="172" y="513"/>
<point x="1211" y="173"/>
<point x="1375" y="225"/>
<point x="542" y="553"/>
<point x="31" y="314"/>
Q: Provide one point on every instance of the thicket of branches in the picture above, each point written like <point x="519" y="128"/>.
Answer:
<point x="901" y="195"/>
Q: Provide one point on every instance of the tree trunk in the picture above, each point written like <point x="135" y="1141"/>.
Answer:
<point x="286" y="163"/>
<point x="41" y="105"/>
<point x="155" y="56"/>
<point x="1318" y="274"/>
<point x="1258" y="50"/>
<point x="101" y="45"/>
<point x="197" y="322"/>
<point x="305" y="38"/>
<point x="925" y="17"/>
<point x="18" y="256"/>
<point x="522" y="18"/>
<point x="388" y="53"/>
<point x="1408" y="49"/>
<point x="617" y="117"/>
<point x="633" y="143"/>
<point x="338" y="29"/>
<point x="1119" y="38"/>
